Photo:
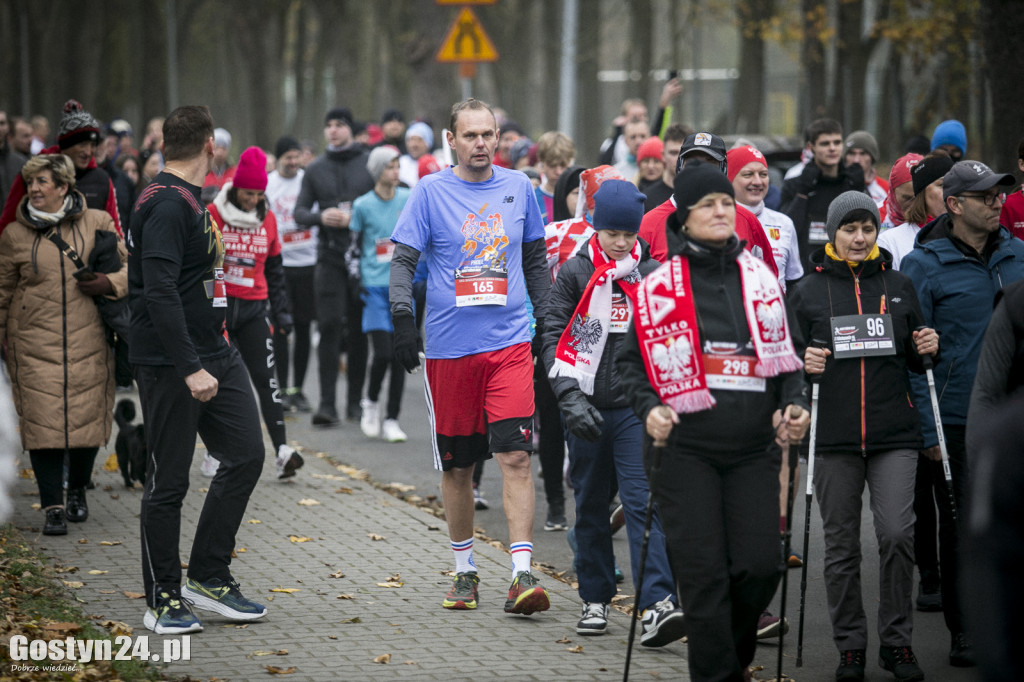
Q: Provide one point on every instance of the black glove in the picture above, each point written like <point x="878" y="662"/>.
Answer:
<point x="285" y="323"/>
<point x="536" y="344"/>
<point x="581" y="418"/>
<point x="808" y="178"/>
<point x="408" y="343"/>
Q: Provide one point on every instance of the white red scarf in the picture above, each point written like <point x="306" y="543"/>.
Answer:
<point x="582" y="342"/>
<point x="666" y="328"/>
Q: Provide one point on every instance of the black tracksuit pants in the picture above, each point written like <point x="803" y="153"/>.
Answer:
<point x="229" y="425"/>
<point x="339" y="312"/>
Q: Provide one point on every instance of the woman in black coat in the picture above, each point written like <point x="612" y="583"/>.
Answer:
<point x="868" y="430"/>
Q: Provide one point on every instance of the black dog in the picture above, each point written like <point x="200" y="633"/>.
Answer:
<point x="130" y="445"/>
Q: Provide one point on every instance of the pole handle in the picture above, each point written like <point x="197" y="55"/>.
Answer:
<point x="926" y="360"/>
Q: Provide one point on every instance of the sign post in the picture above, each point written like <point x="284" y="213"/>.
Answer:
<point x="465" y="44"/>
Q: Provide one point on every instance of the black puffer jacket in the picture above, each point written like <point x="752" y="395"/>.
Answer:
<point x="336" y="177"/>
<point x="741" y="421"/>
<point x="565" y="295"/>
<point x="865" y="403"/>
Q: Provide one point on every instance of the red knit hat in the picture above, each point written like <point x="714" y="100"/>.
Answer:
<point x="650" y="148"/>
<point x="740" y="156"/>
<point x="252" y="170"/>
<point x="427" y="165"/>
<point x="900" y="172"/>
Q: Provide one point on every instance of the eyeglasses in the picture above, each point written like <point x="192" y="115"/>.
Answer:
<point x="990" y="200"/>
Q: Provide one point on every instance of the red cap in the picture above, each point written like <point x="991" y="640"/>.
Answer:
<point x="252" y="170"/>
<point x="650" y="148"/>
<point x="740" y="157"/>
<point x="428" y="164"/>
<point x="900" y="172"/>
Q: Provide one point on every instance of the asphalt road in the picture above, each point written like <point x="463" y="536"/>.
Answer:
<point x="410" y="463"/>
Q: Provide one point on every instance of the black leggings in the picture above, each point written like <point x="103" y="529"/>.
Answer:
<point x="383" y="359"/>
<point x="300" y="294"/>
<point x="48" y="466"/>
<point x="249" y="331"/>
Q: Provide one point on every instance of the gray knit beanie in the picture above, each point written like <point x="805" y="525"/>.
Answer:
<point x="862" y="139"/>
<point x="843" y="205"/>
<point x="379" y="159"/>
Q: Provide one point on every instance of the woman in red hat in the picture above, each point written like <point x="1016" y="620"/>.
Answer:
<point x="254" y="275"/>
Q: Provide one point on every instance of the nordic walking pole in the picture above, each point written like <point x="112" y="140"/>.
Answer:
<point x="656" y="452"/>
<point x="790" y="485"/>
<point x="929" y="365"/>
<point x="815" y="388"/>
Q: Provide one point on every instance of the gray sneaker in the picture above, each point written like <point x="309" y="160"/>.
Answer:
<point x="594" y="620"/>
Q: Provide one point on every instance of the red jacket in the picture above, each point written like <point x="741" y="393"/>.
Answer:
<point x="245" y="255"/>
<point x="748" y="228"/>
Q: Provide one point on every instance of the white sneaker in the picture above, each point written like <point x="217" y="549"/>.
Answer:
<point x="370" y="423"/>
<point x="392" y="432"/>
<point x="663" y="623"/>
<point x="594" y="620"/>
<point x="209" y="466"/>
<point x="288" y="461"/>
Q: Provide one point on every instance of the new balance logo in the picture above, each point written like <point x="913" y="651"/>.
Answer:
<point x="509" y="199"/>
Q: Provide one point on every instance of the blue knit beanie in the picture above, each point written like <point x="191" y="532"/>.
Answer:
<point x="950" y="132"/>
<point x="618" y="205"/>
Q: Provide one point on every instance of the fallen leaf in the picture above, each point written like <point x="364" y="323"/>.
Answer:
<point x="383" y="658"/>
<point x="564" y="640"/>
<point x="73" y="584"/>
<point x="117" y="627"/>
<point x="345" y="491"/>
<point x="332" y="637"/>
<point x="84" y="541"/>
<point x="274" y="670"/>
<point x="297" y="538"/>
<point x="36" y="506"/>
<point x="399" y="487"/>
<point x="279" y="652"/>
<point x="96" y="572"/>
<point x="355" y="619"/>
<point x="255" y="521"/>
<point x="287" y="590"/>
<point x="115" y="496"/>
<point x="329" y="477"/>
<point x="345" y="596"/>
<point x="410" y="662"/>
<point x="240" y="627"/>
<point x="339" y="574"/>
<point x="234" y="554"/>
<point x="135" y="595"/>
<point x="390" y="584"/>
<point x="375" y="537"/>
<point x="108" y="591"/>
<point x="111" y="463"/>
<point x="26" y="473"/>
<point x="110" y="543"/>
<point x="308" y="502"/>
<point x="242" y="550"/>
<point x="576" y="650"/>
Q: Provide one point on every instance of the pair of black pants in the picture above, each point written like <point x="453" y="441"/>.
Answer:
<point x="950" y="531"/>
<point x="383" y="360"/>
<point x="339" y="317"/>
<point x="926" y="552"/>
<point x="249" y="331"/>
<point x="300" y="288"/>
<point x="552" y="437"/>
<point x="229" y="425"/>
<point x="720" y="515"/>
<point x="48" y="467"/>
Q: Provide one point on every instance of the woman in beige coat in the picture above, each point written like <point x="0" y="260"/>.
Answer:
<point x="61" y="366"/>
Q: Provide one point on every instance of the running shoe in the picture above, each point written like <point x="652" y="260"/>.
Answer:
<point x="464" y="592"/>
<point x="478" y="500"/>
<point x="663" y="623"/>
<point x="209" y="466"/>
<point x="223" y="597"/>
<point x="594" y="620"/>
<point x="288" y="461"/>
<point x="370" y="421"/>
<point x="526" y="596"/>
<point x="617" y="519"/>
<point x="768" y="626"/>
<point x="392" y="432"/>
<point x="901" y="662"/>
<point x="172" y="615"/>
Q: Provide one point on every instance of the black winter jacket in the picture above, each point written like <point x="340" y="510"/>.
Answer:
<point x="741" y="421"/>
<point x="806" y="198"/>
<point x="336" y="177"/>
<point x="565" y="295"/>
<point x="865" y="403"/>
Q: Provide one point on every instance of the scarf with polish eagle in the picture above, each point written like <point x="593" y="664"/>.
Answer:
<point x="580" y="346"/>
<point x="666" y="329"/>
<point x="564" y="238"/>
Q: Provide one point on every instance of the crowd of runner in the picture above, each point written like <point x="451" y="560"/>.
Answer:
<point x="670" y="303"/>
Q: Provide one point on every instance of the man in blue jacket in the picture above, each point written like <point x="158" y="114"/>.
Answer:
<point x="959" y="262"/>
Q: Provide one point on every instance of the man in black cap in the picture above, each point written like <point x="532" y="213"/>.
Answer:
<point x="709" y="148"/>
<point x="392" y="125"/>
<point x="331" y="183"/>
<point x="961" y="260"/>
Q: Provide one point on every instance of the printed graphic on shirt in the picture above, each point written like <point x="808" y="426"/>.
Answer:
<point x="242" y="248"/>
<point x="482" y="275"/>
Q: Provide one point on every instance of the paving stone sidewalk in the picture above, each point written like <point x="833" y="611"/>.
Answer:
<point x="344" y="615"/>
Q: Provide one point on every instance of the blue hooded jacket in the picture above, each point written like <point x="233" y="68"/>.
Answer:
<point x="957" y="295"/>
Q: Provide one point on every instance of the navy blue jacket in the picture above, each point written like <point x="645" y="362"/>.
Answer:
<point x="957" y="293"/>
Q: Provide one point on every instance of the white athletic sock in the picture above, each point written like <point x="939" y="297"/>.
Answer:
<point x="522" y="554"/>
<point x="463" y="551"/>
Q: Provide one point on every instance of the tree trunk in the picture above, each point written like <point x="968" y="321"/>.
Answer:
<point x="812" y="55"/>
<point x="1002" y="24"/>
<point x="752" y="16"/>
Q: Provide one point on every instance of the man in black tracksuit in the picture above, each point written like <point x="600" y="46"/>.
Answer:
<point x="806" y="198"/>
<point x="332" y="182"/>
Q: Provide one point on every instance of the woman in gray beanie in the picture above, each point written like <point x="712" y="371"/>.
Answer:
<point x="865" y="315"/>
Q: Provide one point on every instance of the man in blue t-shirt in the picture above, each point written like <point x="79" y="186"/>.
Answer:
<point x="479" y="230"/>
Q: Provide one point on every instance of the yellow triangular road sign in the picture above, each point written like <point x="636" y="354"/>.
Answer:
<point x="467" y="41"/>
